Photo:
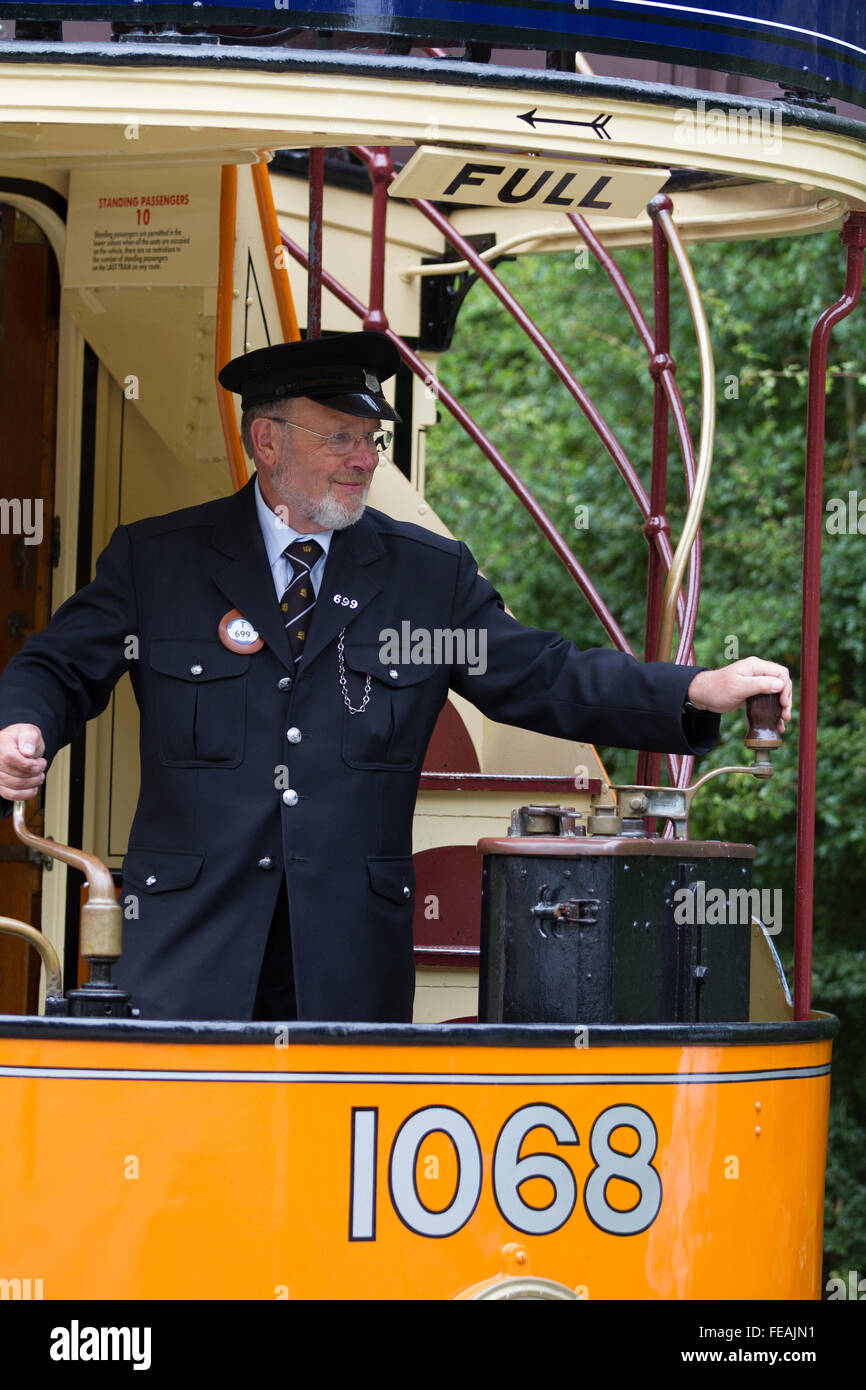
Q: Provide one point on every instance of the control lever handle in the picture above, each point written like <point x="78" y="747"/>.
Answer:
<point x="763" y="713"/>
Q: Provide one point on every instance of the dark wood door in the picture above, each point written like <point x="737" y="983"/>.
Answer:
<point x="29" y="301"/>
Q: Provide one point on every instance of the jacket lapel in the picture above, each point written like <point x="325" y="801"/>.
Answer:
<point x="241" y="571"/>
<point x="347" y="586"/>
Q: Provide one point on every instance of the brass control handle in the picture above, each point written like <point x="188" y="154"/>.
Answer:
<point x="99" y="880"/>
<point x="763" y="713"/>
<point x="101" y="920"/>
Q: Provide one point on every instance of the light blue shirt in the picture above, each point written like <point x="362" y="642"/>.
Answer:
<point x="277" y="534"/>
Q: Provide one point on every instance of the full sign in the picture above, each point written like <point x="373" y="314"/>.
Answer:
<point x="508" y="181"/>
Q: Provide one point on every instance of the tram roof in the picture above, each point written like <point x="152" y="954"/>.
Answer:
<point x="774" y="167"/>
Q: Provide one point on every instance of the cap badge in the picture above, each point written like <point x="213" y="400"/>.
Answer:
<point x="371" y="381"/>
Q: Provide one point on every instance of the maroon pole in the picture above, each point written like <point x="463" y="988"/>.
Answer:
<point x="649" y="764"/>
<point x="314" y="272"/>
<point x="381" y="171"/>
<point x="853" y="236"/>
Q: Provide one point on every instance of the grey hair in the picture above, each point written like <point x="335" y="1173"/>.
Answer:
<point x="255" y="412"/>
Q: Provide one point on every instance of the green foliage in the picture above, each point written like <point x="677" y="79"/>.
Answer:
<point x="761" y="302"/>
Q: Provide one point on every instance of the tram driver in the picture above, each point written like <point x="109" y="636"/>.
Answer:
<point x="270" y="857"/>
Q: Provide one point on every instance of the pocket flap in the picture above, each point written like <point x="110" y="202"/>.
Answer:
<point x="189" y="660"/>
<point x="364" y="658"/>
<point x="161" y="870"/>
<point x="393" y="878"/>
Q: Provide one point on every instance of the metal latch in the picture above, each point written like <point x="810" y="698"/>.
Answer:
<point x="581" y="912"/>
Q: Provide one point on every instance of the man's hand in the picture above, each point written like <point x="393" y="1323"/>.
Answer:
<point x="22" y="766"/>
<point x="730" y="686"/>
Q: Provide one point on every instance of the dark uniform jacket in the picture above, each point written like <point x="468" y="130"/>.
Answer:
<point x="246" y="774"/>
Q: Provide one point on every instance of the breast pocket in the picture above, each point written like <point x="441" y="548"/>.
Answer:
<point x="399" y="708"/>
<point x="200" y="693"/>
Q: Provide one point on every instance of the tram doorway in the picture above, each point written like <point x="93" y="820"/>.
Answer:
<point x="29" y="311"/>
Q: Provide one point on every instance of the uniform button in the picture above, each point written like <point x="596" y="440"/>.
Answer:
<point x="150" y="880"/>
<point x="285" y="684"/>
<point x="393" y="675"/>
<point x="196" y="670"/>
<point x="294" y="735"/>
<point x="407" y="892"/>
<point x="290" y="798"/>
<point x="266" y="863"/>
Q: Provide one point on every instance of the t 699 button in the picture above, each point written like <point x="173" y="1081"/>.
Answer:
<point x="294" y="735"/>
<point x="266" y="863"/>
<point x="285" y="683"/>
<point x="150" y="880"/>
<point x="290" y="797"/>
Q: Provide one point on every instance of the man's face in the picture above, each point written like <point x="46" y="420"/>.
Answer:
<point x="298" y="472"/>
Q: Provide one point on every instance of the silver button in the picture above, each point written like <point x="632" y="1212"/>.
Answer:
<point x="285" y="683"/>
<point x="393" y="675"/>
<point x="290" y="798"/>
<point x="196" y="670"/>
<point x="294" y="735"/>
<point x="150" y="880"/>
<point x="266" y="863"/>
<point x="407" y="892"/>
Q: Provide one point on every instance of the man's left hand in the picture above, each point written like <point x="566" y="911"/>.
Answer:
<point x="730" y="686"/>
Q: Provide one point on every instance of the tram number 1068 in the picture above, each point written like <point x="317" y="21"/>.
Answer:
<point x="509" y="1171"/>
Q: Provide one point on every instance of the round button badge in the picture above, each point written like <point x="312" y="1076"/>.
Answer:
<point x="238" y="634"/>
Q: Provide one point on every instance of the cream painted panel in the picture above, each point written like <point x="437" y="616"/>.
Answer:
<point x="443" y="993"/>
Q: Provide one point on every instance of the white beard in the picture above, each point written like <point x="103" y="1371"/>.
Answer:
<point x="327" y="512"/>
<point x="332" y="515"/>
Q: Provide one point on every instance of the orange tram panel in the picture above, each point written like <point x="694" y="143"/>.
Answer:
<point x="309" y="1161"/>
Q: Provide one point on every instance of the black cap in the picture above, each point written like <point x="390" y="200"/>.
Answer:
<point x="344" y="372"/>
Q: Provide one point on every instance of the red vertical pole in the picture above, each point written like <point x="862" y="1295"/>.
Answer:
<point x="853" y="236"/>
<point x="649" y="764"/>
<point x="381" y="171"/>
<point x="314" y="271"/>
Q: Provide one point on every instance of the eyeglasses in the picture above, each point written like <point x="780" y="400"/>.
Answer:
<point x="375" y="441"/>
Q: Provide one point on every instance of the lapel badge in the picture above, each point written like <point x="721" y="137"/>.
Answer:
<point x="238" y="634"/>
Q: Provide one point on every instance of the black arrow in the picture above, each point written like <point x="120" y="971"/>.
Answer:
<point x="598" y="125"/>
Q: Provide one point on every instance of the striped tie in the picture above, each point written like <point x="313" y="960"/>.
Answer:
<point x="299" y="599"/>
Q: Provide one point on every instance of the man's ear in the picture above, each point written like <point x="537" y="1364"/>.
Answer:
<point x="264" y="435"/>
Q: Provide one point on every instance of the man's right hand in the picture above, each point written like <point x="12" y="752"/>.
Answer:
<point x="22" y="766"/>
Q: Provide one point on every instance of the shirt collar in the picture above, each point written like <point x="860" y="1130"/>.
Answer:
<point x="278" y="534"/>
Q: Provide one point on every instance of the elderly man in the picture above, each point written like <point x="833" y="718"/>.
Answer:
<point x="271" y="851"/>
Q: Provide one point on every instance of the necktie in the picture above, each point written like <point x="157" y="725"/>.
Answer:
<point x="299" y="599"/>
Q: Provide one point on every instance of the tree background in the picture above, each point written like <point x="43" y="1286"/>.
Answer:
<point x="761" y="302"/>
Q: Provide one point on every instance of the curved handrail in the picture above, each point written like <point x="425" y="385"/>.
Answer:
<point x="705" y="446"/>
<point x="50" y="958"/>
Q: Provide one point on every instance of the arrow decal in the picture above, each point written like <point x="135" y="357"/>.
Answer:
<point x="598" y="125"/>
